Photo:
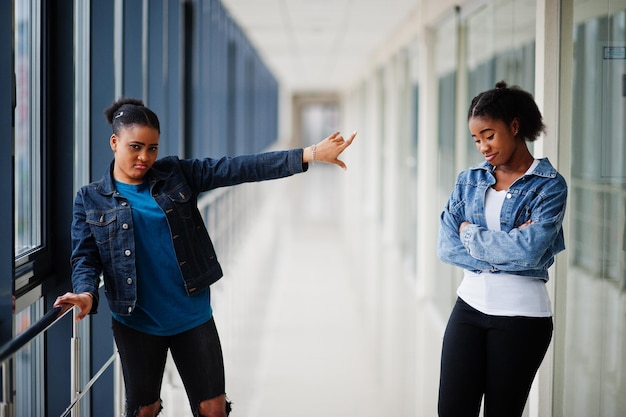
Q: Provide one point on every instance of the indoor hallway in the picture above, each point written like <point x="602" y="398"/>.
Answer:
<point x="295" y="337"/>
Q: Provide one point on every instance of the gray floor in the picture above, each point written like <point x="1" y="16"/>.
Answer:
<point x="294" y="337"/>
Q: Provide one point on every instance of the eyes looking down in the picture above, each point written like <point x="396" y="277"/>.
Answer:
<point x="496" y="140"/>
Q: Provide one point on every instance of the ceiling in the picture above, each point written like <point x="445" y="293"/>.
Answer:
<point x="318" y="45"/>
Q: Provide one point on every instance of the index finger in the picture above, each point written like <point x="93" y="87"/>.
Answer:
<point x="348" y="142"/>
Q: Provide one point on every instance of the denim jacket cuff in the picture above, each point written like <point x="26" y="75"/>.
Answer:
<point x="294" y="160"/>
<point x="466" y="235"/>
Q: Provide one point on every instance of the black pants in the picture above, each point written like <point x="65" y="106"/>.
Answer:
<point x="197" y="354"/>
<point x="492" y="356"/>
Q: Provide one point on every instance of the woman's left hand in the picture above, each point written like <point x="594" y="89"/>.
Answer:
<point x="84" y="301"/>
<point x="328" y="150"/>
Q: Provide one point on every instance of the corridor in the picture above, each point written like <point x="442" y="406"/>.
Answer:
<point x="295" y="338"/>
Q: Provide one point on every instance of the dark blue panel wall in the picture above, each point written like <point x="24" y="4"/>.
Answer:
<point x="132" y="46"/>
<point x="58" y="151"/>
<point x="233" y="95"/>
<point x="102" y="92"/>
<point x="157" y="56"/>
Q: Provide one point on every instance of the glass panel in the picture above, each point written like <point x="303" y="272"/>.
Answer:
<point x="29" y="366"/>
<point x="408" y="93"/>
<point x="500" y="46"/>
<point x="445" y="47"/>
<point x="27" y="121"/>
<point x="595" y="341"/>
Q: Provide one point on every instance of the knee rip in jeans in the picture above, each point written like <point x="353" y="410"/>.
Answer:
<point x="153" y="409"/>
<point x="228" y="407"/>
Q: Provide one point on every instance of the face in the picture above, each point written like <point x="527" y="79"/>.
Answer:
<point x="496" y="140"/>
<point x="136" y="148"/>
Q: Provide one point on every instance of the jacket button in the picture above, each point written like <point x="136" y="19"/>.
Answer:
<point x="508" y="195"/>
<point x="130" y="309"/>
<point x="129" y="280"/>
<point x="127" y="252"/>
<point x="125" y="226"/>
<point x="124" y="203"/>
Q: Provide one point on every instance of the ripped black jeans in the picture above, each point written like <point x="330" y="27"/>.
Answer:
<point x="197" y="354"/>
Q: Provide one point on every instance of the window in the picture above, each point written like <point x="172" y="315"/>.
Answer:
<point x="28" y="180"/>
<point x="592" y="352"/>
<point x="500" y="44"/>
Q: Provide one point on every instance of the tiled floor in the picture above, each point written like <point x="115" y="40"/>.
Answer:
<point x="294" y="339"/>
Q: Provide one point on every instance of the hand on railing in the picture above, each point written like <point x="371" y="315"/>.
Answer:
<point x="84" y="301"/>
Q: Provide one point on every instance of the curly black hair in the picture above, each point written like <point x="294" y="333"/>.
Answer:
<point x="509" y="103"/>
<point x="130" y="111"/>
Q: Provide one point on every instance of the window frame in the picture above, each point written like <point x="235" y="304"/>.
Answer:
<point x="31" y="266"/>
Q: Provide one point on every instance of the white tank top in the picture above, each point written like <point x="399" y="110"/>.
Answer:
<point x="504" y="294"/>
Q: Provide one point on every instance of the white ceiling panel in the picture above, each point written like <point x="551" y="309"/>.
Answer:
<point x="313" y="45"/>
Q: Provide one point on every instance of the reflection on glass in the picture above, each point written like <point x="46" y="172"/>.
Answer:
<point x="446" y="67"/>
<point x="500" y="46"/>
<point x="594" y="362"/>
<point x="29" y="366"/>
<point x="27" y="155"/>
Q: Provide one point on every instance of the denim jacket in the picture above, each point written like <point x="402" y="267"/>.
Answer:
<point x="539" y="196"/>
<point x="102" y="226"/>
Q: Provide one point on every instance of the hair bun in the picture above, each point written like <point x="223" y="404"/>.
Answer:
<point x="501" y="84"/>
<point x="111" y="111"/>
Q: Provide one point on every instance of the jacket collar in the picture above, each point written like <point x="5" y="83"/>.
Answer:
<point x="106" y="185"/>
<point x="543" y="169"/>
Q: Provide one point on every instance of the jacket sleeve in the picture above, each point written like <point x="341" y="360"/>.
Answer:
<point x="450" y="249"/>
<point x="529" y="248"/>
<point x="206" y="174"/>
<point x="85" y="258"/>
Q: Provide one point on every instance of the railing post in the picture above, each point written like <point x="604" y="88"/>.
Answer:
<point x="7" y="400"/>
<point x="75" y="365"/>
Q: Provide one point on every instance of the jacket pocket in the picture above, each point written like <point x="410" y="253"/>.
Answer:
<point x="102" y="224"/>
<point x="183" y="198"/>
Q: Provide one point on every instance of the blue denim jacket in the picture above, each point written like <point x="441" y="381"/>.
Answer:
<point x="539" y="196"/>
<point x="102" y="227"/>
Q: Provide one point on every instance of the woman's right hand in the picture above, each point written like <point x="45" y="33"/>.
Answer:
<point x="328" y="150"/>
<point x="84" y="301"/>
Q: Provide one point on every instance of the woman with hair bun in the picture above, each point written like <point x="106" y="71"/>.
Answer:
<point x="503" y="226"/>
<point x="139" y="226"/>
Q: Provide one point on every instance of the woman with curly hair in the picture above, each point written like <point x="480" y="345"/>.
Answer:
<point x="503" y="226"/>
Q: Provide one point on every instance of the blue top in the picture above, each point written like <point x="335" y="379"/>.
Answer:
<point x="539" y="196"/>
<point x="163" y="307"/>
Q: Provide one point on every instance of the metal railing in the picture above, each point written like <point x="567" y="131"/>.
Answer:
<point x="24" y="338"/>
<point x="12" y="346"/>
